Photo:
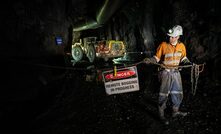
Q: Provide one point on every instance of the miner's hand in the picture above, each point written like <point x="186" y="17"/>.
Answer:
<point x="147" y="60"/>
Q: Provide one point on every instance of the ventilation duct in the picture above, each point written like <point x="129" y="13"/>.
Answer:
<point x="104" y="14"/>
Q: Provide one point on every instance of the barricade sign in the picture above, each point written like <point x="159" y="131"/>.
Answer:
<point x="122" y="80"/>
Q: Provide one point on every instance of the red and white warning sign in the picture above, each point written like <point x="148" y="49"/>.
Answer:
<point x="122" y="81"/>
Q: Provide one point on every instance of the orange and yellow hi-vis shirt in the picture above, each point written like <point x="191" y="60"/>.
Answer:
<point x="171" y="55"/>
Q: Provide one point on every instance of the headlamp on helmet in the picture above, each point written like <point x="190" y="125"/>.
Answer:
<point x="175" y="31"/>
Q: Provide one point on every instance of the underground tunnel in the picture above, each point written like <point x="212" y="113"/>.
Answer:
<point x="78" y="66"/>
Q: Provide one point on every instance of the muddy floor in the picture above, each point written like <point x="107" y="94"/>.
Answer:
<point x="80" y="106"/>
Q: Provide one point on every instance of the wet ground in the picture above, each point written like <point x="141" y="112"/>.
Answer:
<point x="80" y="106"/>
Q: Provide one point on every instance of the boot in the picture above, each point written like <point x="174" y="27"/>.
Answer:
<point x="162" y="117"/>
<point x="177" y="113"/>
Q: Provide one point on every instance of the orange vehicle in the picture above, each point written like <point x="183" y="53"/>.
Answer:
<point x="110" y="49"/>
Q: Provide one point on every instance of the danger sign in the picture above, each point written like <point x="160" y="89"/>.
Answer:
<point x="125" y="80"/>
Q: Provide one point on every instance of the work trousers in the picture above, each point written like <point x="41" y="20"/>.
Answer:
<point x="171" y="84"/>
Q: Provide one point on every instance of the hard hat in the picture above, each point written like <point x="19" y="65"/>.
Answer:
<point x="175" y="31"/>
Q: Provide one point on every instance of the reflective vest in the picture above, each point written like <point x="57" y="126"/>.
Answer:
<point x="171" y="55"/>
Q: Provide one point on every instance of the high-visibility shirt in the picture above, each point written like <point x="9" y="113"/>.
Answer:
<point x="171" y="55"/>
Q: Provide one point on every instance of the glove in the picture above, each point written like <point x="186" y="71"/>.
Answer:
<point x="150" y="60"/>
<point x="187" y="62"/>
<point x="146" y="60"/>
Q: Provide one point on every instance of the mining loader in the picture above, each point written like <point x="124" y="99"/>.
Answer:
<point x="93" y="49"/>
